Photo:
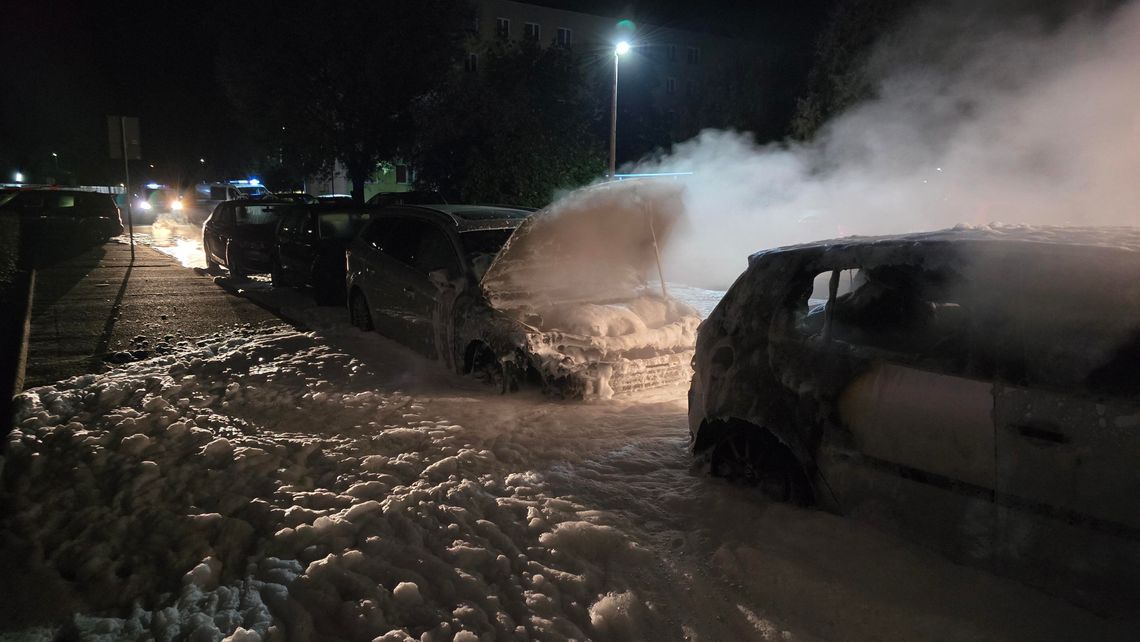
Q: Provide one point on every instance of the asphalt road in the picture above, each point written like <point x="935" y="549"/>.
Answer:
<point x="97" y="307"/>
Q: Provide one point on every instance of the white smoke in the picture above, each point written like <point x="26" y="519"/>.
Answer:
<point x="972" y="122"/>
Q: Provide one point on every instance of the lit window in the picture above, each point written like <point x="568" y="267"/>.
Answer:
<point x="532" y="31"/>
<point x="503" y="28"/>
<point x="693" y="55"/>
<point x="472" y="62"/>
<point x="565" y="37"/>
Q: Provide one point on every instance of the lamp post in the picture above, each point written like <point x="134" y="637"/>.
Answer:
<point x="621" y="49"/>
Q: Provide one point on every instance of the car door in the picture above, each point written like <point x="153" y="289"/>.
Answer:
<point x="913" y="412"/>
<point x="218" y="231"/>
<point x="297" y="232"/>
<point x="1068" y="413"/>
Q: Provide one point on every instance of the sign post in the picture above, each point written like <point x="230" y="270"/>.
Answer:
<point x="123" y="136"/>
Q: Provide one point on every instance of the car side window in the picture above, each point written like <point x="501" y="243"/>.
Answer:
<point x="403" y="242"/>
<point x="289" y="224"/>
<point x="378" y="231"/>
<point x="903" y="313"/>
<point x="436" y="252"/>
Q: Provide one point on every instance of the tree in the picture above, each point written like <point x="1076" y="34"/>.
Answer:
<point x="334" y="80"/>
<point x="514" y="132"/>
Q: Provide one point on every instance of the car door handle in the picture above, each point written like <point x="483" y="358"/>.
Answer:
<point x="1043" y="433"/>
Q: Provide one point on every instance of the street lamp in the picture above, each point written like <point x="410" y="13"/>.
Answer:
<point x="620" y="50"/>
<point x="55" y="158"/>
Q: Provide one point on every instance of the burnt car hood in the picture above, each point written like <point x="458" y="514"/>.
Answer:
<point x="597" y="245"/>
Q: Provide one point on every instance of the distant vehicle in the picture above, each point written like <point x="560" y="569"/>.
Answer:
<point x="251" y="188"/>
<point x="65" y="214"/>
<point x="500" y="293"/>
<point x="979" y="388"/>
<point x="335" y="198"/>
<point x="407" y="198"/>
<point x="310" y="246"/>
<point x="201" y="200"/>
<point x="297" y="197"/>
<point x="150" y="202"/>
<point x="240" y="235"/>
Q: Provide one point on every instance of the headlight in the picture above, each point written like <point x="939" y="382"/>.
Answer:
<point x="143" y="205"/>
<point x="176" y="205"/>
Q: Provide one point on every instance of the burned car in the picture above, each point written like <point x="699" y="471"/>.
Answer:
<point x="560" y="298"/>
<point x="978" y="388"/>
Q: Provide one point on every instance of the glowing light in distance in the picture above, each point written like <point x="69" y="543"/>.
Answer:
<point x="622" y="48"/>
<point x="143" y="205"/>
<point x="176" y="205"/>
<point x="255" y="182"/>
<point x="19" y="177"/>
<point x="152" y="185"/>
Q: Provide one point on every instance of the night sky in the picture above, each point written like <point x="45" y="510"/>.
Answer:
<point x="70" y="64"/>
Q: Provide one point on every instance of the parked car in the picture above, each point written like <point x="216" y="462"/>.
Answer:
<point x="310" y="246"/>
<point x="559" y="298"/>
<point x="200" y="201"/>
<point x="65" y="214"/>
<point x="297" y="197"/>
<point x="976" y="388"/>
<point x="240" y="236"/>
<point x="329" y="199"/>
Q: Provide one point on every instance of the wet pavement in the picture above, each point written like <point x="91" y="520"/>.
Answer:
<point x="98" y="307"/>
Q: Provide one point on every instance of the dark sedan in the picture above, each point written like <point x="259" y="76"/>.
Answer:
<point x="65" y="214"/>
<point x="310" y="247"/>
<point x="240" y="235"/>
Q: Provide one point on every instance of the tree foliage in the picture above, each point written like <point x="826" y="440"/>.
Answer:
<point x="839" y="78"/>
<point x="514" y="132"/>
<point x="334" y="80"/>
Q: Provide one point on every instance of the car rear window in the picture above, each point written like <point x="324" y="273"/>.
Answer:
<point x="257" y="214"/>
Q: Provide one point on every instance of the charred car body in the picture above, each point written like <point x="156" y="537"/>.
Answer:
<point x="559" y="298"/>
<point x="976" y="388"/>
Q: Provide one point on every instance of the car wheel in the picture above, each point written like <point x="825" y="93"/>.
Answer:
<point x="358" y="312"/>
<point x="489" y="368"/>
<point x="756" y="458"/>
<point x="236" y="272"/>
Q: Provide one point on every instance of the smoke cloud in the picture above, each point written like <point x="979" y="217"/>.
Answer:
<point x="974" y="120"/>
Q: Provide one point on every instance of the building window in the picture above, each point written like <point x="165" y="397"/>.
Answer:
<point x="532" y="31"/>
<point x="670" y="85"/>
<point x="693" y="55"/>
<point x="565" y="37"/>
<point x="471" y="63"/>
<point x="671" y="53"/>
<point x="503" y="28"/>
<point x="690" y="88"/>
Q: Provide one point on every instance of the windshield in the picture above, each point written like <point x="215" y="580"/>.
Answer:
<point x="257" y="214"/>
<point x="342" y="226"/>
<point x="481" y="246"/>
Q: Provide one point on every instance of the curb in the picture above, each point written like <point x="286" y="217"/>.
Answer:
<point x="15" y="350"/>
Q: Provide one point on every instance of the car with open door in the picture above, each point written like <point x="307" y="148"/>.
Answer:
<point x="976" y="388"/>
<point x="563" y="298"/>
<point x="239" y="236"/>
<point x="309" y="248"/>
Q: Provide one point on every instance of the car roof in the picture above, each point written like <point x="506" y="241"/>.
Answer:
<point x="467" y="218"/>
<point x="1113" y="238"/>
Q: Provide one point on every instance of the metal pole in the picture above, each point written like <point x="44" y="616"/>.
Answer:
<point x="127" y="185"/>
<point x="656" y="251"/>
<point x="613" y="120"/>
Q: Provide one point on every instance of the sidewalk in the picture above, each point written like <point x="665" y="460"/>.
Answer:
<point x="98" y="308"/>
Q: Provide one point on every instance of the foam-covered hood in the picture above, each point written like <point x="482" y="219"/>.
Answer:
<point x="596" y="244"/>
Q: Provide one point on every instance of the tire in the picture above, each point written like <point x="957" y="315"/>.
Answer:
<point x="358" y="312"/>
<point x="236" y="272"/>
<point x="755" y="457"/>
<point x="487" y="366"/>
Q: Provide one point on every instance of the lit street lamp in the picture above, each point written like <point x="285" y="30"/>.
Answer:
<point x="620" y="50"/>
